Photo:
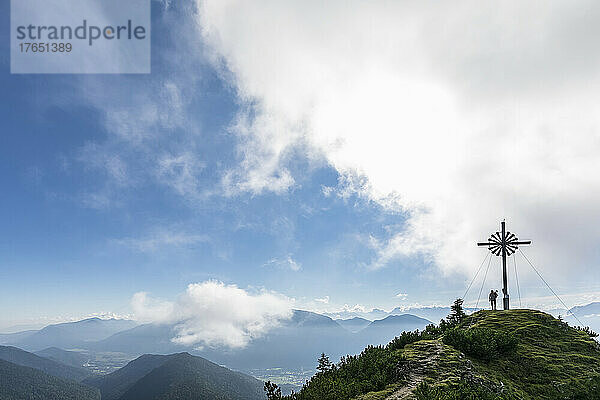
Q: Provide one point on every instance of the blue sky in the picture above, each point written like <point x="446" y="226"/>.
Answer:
<point x="117" y="184"/>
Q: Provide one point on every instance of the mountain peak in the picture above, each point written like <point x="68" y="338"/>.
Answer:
<point x="168" y="376"/>
<point x="402" y="318"/>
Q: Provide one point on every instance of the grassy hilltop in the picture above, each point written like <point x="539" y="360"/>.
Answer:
<point x="551" y="359"/>
<point x="516" y="354"/>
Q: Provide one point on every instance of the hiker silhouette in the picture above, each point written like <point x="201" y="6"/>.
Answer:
<point x="493" y="296"/>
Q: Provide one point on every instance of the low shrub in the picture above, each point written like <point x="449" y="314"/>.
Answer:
<point x="483" y="343"/>
<point x="586" y="329"/>
<point x="430" y="332"/>
<point x="463" y="391"/>
<point x="588" y="389"/>
<point x="372" y="370"/>
<point x="405" y="338"/>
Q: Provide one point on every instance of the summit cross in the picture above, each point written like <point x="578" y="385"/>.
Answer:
<point x="504" y="244"/>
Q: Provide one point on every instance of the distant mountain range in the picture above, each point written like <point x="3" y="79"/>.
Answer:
<point x="67" y="335"/>
<point x="372" y="315"/>
<point x="355" y="321"/>
<point x="588" y="311"/>
<point x="295" y="344"/>
<point x="434" y="314"/>
<point x="588" y="314"/>
<point x="146" y="338"/>
<point x="384" y="330"/>
<point x="353" y="324"/>
<point x="15" y="337"/>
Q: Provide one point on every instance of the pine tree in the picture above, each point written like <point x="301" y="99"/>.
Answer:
<point x="457" y="314"/>
<point x="324" y="363"/>
<point x="273" y="391"/>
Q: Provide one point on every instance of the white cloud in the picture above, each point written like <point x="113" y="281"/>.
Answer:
<point x="359" y="308"/>
<point x="324" y="300"/>
<point x="214" y="314"/>
<point x="285" y="263"/>
<point x="151" y="138"/>
<point x="181" y="172"/>
<point x="147" y="309"/>
<point x="152" y="129"/>
<point x="162" y="238"/>
<point x="402" y="296"/>
<point x="456" y="114"/>
<point x="351" y="311"/>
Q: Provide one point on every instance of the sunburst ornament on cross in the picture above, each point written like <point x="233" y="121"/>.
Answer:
<point x="503" y="244"/>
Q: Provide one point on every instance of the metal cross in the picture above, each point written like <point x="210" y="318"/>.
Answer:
<point x="504" y="244"/>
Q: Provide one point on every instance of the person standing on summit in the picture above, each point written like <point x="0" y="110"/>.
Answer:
<point x="493" y="296"/>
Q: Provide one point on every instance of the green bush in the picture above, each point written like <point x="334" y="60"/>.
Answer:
<point x="483" y="343"/>
<point x="405" y="338"/>
<point x="587" y="330"/>
<point x="463" y="391"/>
<point x="588" y="389"/>
<point x="372" y="370"/>
<point x="431" y="332"/>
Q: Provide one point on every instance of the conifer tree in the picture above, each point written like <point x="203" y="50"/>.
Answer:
<point x="273" y="391"/>
<point x="324" y="363"/>
<point x="457" y="314"/>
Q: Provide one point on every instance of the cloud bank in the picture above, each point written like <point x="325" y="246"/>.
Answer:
<point x="456" y="114"/>
<point x="212" y="314"/>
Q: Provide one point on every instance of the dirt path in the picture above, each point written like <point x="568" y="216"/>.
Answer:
<point x="418" y="369"/>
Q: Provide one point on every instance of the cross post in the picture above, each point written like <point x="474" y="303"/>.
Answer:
<point x="504" y="244"/>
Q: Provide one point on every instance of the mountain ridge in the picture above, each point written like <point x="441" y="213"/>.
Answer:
<point x="51" y="367"/>
<point x="18" y="382"/>
<point x="353" y="324"/>
<point x="112" y="386"/>
<point x="68" y="334"/>
<point x="176" y="376"/>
